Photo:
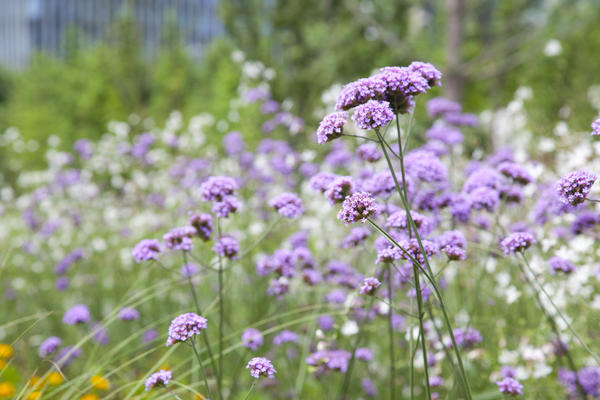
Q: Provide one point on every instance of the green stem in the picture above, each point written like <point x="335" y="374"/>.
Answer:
<point x="171" y="392"/>
<point x="201" y="368"/>
<point x="221" y="313"/>
<point x="423" y="341"/>
<point x="250" y="391"/>
<point x="391" y="336"/>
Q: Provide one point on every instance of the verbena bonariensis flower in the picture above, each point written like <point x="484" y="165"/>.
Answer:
<point x="448" y="135"/>
<point x="334" y="360"/>
<point x="261" y="367"/>
<point x="147" y="249"/>
<point x="369" y="286"/>
<point x="399" y="220"/>
<point x="388" y="255"/>
<point x="63" y="265"/>
<point x="515" y="171"/>
<point x="184" y="327"/>
<point x="558" y="264"/>
<point x="49" y="346"/>
<point x="359" y="92"/>
<point x="440" y="106"/>
<point x="128" y="314"/>
<point x="216" y="188"/>
<point x="188" y="270"/>
<point x="331" y="127"/>
<point x="203" y="225"/>
<point x="77" y="314"/>
<point x="574" y="187"/>
<point x="355" y="237"/>
<point x="510" y="386"/>
<point x="452" y="243"/>
<point x="67" y="355"/>
<point x="228" y="247"/>
<point x="285" y="336"/>
<point x="363" y="354"/>
<point x="411" y="246"/>
<point x="368" y="152"/>
<point x="321" y="181"/>
<point x="357" y="207"/>
<point x="465" y="338"/>
<point x="425" y="166"/>
<point x="465" y="119"/>
<point x="484" y="176"/>
<point x="427" y="71"/>
<point x="227" y="205"/>
<point x="252" y="339"/>
<point x="278" y="287"/>
<point x="373" y="114"/>
<point x="180" y="238"/>
<point x="369" y="387"/>
<point x="596" y="127"/>
<point x="233" y="143"/>
<point x="288" y="205"/>
<point x="484" y="197"/>
<point x="158" y="379"/>
<point x="516" y="242"/>
<point x="339" y="189"/>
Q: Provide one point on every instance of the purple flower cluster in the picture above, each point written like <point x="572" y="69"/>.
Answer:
<point x="574" y="187"/>
<point x="129" y="314"/>
<point x="184" y="327"/>
<point x="596" y="127"/>
<point x="157" y="379"/>
<point x="558" y="264"/>
<point x="261" y="367"/>
<point x="332" y="360"/>
<point x="221" y="190"/>
<point x="510" y="386"/>
<point x="438" y="106"/>
<point x="369" y="286"/>
<point x="516" y="242"/>
<point x="368" y="152"/>
<point x="373" y="114"/>
<point x="49" y="346"/>
<point x="78" y="314"/>
<point x="331" y="127"/>
<point x="202" y="223"/>
<point x="227" y="246"/>
<point x="180" y="238"/>
<point x="288" y="205"/>
<point x="147" y="249"/>
<point x="252" y="339"/>
<point x="357" y="207"/>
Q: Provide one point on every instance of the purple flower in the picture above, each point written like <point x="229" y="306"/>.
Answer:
<point x="285" y="337"/>
<point x="364" y="354"/>
<point x="411" y="246"/>
<point x="368" y="152"/>
<point x="184" y="327"/>
<point x="100" y="334"/>
<point x="507" y="371"/>
<point x="49" y="346"/>
<point x="228" y="247"/>
<point x="260" y="366"/>
<point x="288" y="205"/>
<point x="216" y="188"/>
<point x="269" y="107"/>
<point x="369" y="387"/>
<point x="359" y="92"/>
<point x="62" y="283"/>
<point x="356" y="237"/>
<point x="278" y="287"/>
<point x="484" y="198"/>
<point x="339" y="189"/>
<point x="188" y="270"/>
<point x="77" y="314"/>
<point x="510" y="386"/>
<point x="357" y="207"/>
<point x="448" y="135"/>
<point x="399" y="220"/>
<point x="425" y="166"/>
<point x="202" y="223"/>
<point x="388" y="255"/>
<point x="180" y="238"/>
<point x="369" y="286"/>
<point x="326" y="322"/>
<point x="233" y="143"/>
<point x="84" y="148"/>
<point x="229" y="205"/>
<point x="373" y="114"/>
<point x="558" y="264"/>
<point x="158" y="379"/>
<point x="427" y="71"/>
<point x="574" y="187"/>
<point x="516" y="172"/>
<point x="331" y="127"/>
<point x="63" y="265"/>
<point x="440" y="106"/>
<point x="515" y="242"/>
<point x="147" y="249"/>
<point x="596" y="127"/>
<point x="452" y="243"/>
<point x="129" y="314"/>
<point x="465" y="338"/>
<point x="457" y="118"/>
<point x="67" y="355"/>
<point x="252" y="339"/>
<point x="382" y="184"/>
<point x="149" y="335"/>
<point x="321" y="181"/>
<point x="335" y="360"/>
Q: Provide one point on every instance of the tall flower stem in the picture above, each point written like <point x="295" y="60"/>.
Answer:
<point x="423" y="341"/>
<point x="250" y="391"/>
<point x="391" y="335"/>
<point x="199" y="311"/>
<point x="438" y="294"/>
<point x="221" y="313"/>
<point x="201" y="368"/>
<point x="172" y="393"/>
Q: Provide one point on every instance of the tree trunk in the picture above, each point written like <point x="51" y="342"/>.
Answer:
<point x="454" y="81"/>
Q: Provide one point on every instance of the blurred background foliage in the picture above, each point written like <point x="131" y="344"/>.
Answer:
<point x="486" y="48"/>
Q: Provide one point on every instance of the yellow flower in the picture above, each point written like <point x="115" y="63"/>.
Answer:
<point x="35" y="381"/>
<point x="99" y="382"/>
<point x="34" y="395"/>
<point x="89" y="396"/>
<point x="7" y="389"/>
<point x="54" y="378"/>
<point x="166" y="367"/>
<point x="6" y="350"/>
<point x="2" y="364"/>
<point x="199" y="397"/>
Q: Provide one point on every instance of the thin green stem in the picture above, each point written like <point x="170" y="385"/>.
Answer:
<point x="201" y="368"/>
<point x="391" y="336"/>
<point x="360" y="137"/>
<point x="221" y="313"/>
<point x="422" y="329"/>
<point x="250" y="391"/>
<point x="171" y="392"/>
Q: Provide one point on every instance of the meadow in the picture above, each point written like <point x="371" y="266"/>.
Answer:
<point x="382" y="253"/>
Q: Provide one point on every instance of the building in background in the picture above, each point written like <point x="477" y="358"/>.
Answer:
<point x="28" y="26"/>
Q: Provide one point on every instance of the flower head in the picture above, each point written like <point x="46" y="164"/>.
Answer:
<point x="77" y="314"/>
<point x="373" y="114"/>
<point x="228" y="247"/>
<point x="331" y="127"/>
<point x="510" y="386"/>
<point x="596" y="127"/>
<point x="252" y="339"/>
<point x="359" y="92"/>
<point x="180" y="238"/>
<point x="147" y="249"/>
<point x="515" y="242"/>
<point x="369" y="286"/>
<point x="216" y="188"/>
<point x="49" y="346"/>
<point x="357" y="207"/>
<point x="260" y="366"/>
<point x="184" y="327"/>
<point x="574" y="187"/>
<point x="558" y="264"/>
<point x="368" y="152"/>
<point x="202" y="223"/>
<point x="288" y="205"/>
<point x="157" y="379"/>
<point x="128" y="314"/>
